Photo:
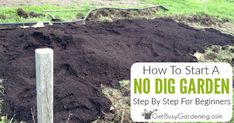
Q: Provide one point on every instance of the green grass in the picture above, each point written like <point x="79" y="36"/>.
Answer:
<point x="11" y="15"/>
<point x="220" y="8"/>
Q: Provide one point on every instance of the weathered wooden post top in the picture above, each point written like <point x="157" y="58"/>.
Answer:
<point x="44" y="84"/>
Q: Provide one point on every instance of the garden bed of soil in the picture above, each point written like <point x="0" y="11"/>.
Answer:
<point x="87" y="56"/>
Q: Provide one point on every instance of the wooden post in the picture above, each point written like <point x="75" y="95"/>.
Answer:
<point x="44" y="83"/>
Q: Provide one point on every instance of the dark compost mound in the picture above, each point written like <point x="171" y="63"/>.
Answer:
<point x="89" y="55"/>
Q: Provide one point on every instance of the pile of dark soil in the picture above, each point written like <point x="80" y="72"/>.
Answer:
<point x="21" y="13"/>
<point x="89" y="55"/>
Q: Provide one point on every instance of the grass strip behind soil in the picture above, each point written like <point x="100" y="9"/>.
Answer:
<point x="10" y="13"/>
<point x="222" y="9"/>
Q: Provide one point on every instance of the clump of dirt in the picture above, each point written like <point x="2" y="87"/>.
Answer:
<point x="113" y="14"/>
<point x="2" y="17"/>
<point x="21" y="13"/>
<point x="87" y="56"/>
<point x="34" y="14"/>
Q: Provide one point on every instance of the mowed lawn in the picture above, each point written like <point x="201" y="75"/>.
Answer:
<point x="223" y="9"/>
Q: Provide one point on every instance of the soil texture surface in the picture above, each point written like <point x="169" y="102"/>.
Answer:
<point x="87" y="56"/>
